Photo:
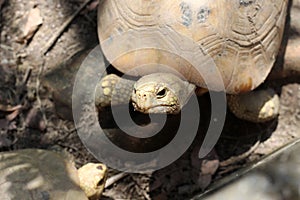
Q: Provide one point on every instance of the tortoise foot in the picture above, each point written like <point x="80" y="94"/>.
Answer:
<point x="256" y="106"/>
<point x="113" y="90"/>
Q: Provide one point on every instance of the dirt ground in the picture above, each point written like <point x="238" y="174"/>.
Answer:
<point x="28" y="118"/>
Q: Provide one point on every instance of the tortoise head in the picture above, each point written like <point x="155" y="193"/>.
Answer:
<point x="161" y="93"/>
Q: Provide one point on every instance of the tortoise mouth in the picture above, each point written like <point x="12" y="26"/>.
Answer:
<point x="157" y="109"/>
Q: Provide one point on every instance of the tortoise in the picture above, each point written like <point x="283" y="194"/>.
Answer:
<point x="241" y="37"/>
<point x="45" y="174"/>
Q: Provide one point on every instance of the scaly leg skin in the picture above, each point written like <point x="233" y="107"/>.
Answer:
<point x="255" y="106"/>
<point x="113" y="90"/>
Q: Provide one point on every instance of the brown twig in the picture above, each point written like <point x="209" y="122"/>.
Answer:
<point x="62" y="28"/>
<point x="27" y="76"/>
<point x="8" y="108"/>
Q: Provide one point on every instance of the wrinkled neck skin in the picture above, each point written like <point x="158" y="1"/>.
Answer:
<point x="161" y="93"/>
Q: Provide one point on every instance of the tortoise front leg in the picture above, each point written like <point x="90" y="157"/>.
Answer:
<point x="113" y="90"/>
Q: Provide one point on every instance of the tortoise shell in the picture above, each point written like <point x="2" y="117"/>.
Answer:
<point x="38" y="174"/>
<point x="237" y="39"/>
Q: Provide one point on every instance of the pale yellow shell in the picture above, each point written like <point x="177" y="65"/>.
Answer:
<point x="38" y="174"/>
<point x="240" y="37"/>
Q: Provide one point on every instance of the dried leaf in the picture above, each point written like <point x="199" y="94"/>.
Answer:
<point x="12" y="115"/>
<point x="209" y="166"/>
<point x="210" y="163"/>
<point x="14" y="112"/>
<point x="32" y="23"/>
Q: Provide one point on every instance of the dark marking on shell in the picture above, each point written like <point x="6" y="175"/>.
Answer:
<point x="245" y="87"/>
<point x="186" y="14"/>
<point x="203" y="14"/>
<point x="246" y="2"/>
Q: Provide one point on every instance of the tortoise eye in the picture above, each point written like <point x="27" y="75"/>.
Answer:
<point x="161" y="93"/>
